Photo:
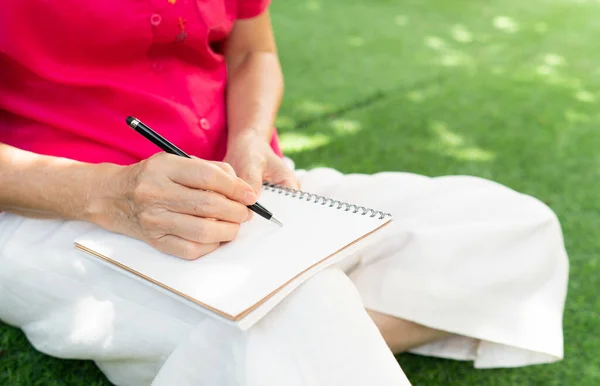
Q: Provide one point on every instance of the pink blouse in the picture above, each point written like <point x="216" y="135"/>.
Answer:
<point x="71" y="71"/>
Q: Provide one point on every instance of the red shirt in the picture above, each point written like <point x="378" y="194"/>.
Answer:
<point x="71" y="71"/>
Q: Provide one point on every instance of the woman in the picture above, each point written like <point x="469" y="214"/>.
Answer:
<point x="469" y="270"/>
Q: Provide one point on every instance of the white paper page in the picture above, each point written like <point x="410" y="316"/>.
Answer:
<point x="260" y="260"/>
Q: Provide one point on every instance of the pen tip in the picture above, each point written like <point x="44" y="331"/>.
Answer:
<point x="276" y="221"/>
<point x="129" y="119"/>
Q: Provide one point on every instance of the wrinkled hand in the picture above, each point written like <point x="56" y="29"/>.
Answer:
<point x="183" y="207"/>
<point x="254" y="161"/>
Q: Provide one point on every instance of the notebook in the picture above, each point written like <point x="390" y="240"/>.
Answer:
<point x="245" y="278"/>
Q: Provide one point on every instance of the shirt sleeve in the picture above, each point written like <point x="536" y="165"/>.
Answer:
<point x="247" y="9"/>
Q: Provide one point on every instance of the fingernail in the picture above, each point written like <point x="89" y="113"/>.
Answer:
<point x="249" y="197"/>
<point x="249" y="217"/>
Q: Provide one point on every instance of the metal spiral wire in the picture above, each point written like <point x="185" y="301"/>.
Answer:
<point x="316" y="199"/>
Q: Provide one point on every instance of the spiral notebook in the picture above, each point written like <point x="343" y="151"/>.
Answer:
<point x="245" y="278"/>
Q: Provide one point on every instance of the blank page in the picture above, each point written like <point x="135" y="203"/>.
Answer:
<point x="241" y="274"/>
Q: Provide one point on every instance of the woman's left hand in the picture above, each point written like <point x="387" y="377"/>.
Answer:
<point x="254" y="161"/>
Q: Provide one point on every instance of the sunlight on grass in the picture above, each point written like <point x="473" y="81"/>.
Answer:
<point x="456" y="58"/>
<point x="471" y="154"/>
<point x="454" y="145"/>
<point x="506" y="24"/>
<point x="445" y="136"/>
<point x="585" y="96"/>
<point x="401" y="20"/>
<point x="313" y="5"/>
<point x="345" y="126"/>
<point x="574" y="116"/>
<point x="554" y="60"/>
<point x="421" y="94"/>
<point x="552" y="75"/>
<point x="544" y="70"/>
<point x="311" y="107"/>
<point x="416" y="96"/>
<point x="296" y="142"/>
<point x="450" y="57"/>
<point x="356" y="41"/>
<point x="549" y="64"/>
<point x="434" y="42"/>
<point x="461" y="34"/>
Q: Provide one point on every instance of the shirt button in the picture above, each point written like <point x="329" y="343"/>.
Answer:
<point x="155" y="20"/>
<point x="204" y="124"/>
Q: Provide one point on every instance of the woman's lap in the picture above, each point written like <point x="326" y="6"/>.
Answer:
<point x="461" y="254"/>
<point x="464" y="255"/>
<point x="319" y="335"/>
<point x="71" y="307"/>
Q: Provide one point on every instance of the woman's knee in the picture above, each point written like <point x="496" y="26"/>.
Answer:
<point x="327" y="297"/>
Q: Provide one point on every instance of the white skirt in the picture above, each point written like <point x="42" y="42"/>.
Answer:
<point x="463" y="254"/>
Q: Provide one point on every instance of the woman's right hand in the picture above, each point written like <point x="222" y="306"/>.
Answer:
<point x="183" y="207"/>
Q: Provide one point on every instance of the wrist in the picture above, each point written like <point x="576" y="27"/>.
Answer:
<point x="106" y="195"/>
<point x="250" y="133"/>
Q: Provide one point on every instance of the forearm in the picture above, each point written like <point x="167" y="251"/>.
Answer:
<point x="254" y="94"/>
<point x="49" y="187"/>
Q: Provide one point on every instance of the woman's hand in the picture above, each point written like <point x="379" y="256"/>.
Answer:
<point x="183" y="207"/>
<point x="254" y="161"/>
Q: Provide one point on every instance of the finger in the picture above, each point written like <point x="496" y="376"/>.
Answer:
<point x="227" y="168"/>
<point x="290" y="181"/>
<point x="200" y="230"/>
<point x="253" y="176"/>
<point x="199" y="174"/>
<point x="284" y="176"/>
<point x="205" y="204"/>
<point x="279" y="173"/>
<point x="230" y="170"/>
<point x="182" y="248"/>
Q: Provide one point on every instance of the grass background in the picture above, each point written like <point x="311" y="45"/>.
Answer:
<point x="506" y="90"/>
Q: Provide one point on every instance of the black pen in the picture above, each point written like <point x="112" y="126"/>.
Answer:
<point x="168" y="147"/>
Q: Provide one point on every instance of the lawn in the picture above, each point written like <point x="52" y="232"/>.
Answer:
<point x="506" y="90"/>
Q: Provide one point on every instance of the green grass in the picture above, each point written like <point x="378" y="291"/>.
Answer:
<point x="506" y="90"/>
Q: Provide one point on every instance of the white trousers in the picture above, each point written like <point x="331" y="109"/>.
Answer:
<point x="463" y="254"/>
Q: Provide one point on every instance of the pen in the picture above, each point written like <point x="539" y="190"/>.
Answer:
<point x="168" y="147"/>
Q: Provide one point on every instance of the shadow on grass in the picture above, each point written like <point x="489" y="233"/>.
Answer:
<point x="520" y="131"/>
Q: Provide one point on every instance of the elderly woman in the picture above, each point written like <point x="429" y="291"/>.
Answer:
<point x="469" y="270"/>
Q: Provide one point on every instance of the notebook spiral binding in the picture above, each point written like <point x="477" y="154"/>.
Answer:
<point x="315" y="198"/>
